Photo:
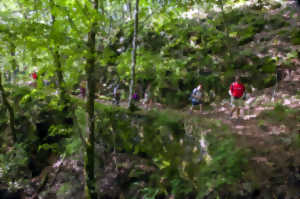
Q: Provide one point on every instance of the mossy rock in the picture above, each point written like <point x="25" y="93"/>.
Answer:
<point x="269" y="81"/>
<point x="277" y="22"/>
<point x="254" y="20"/>
<point x="281" y="114"/>
<point x="259" y="23"/>
<point x="235" y="16"/>
<point x="275" y="5"/>
<point x="283" y="33"/>
<point x="263" y="80"/>
<point x="295" y="37"/>
<point x="266" y="39"/>
<point x="247" y="35"/>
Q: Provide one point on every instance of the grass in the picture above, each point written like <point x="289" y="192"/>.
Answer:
<point x="295" y="37"/>
<point x="281" y="115"/>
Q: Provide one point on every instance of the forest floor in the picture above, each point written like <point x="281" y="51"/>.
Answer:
<point x="268" y="136"/>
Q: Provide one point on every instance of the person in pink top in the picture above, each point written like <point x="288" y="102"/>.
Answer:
<point x="236" y="91"/>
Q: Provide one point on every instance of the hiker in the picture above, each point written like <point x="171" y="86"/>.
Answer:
<point x="135" y="97"/>
<point x="117" y="95"/>
<point x="147" y="97"/>
<point x="137" y="91"/>
<point x="34" y="78"/>
<point x="237" y="92"/>
<point x="196" y="97"/>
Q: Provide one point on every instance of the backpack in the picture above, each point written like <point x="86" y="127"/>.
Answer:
<point x="191" y="98"/>
<point x="135" y="96"/>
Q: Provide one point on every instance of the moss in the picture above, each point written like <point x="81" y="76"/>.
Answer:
<point x="235" y="16"/>
<point x="283" y="32"/>
<point x="275" y="5"/>
<point x="296" y="140"/>
<point x="255" y="24"/>
<point x="277" y="22"/>
<point x="255" y="20"/>
<point x="281" y="115"/>
<point x="295" y="37"/>
<point x="247" y="35"/>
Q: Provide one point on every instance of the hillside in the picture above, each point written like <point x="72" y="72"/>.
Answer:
<point x="58" y="143"/>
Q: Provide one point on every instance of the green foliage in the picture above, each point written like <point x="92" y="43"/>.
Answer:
<point x="268" y="66"/>
<point x="59" y="130"/>
<point x="49" y="147"/>
<point x="296" y="140"/>
<point x="281" y="115"/>
<point x="254" y="19"/>
<point x="174" y="54"/>
<point x="73" y="145"/>
<point x="247" y="35"/>
<point x="181" y="166"/>
<point x="276" y="5"/>
<point x="225" y="167"/>
<point x="277" y="22"/>
<point x="64" y="190"/>
<point x="14" y="164"/>
<point x="150" y="193"/>
<point x="295" y="37"/>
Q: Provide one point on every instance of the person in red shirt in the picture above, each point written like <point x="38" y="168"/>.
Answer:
<point x="236" y="91"/>
<point x="34" y="77"/>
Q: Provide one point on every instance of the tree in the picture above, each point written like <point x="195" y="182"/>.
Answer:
<point x="57" y="61"/>
<point x="133" y="54"/>
<point x="226" y="26"/>
<point x="91" y="84"/>
<point x="10" y="109"/>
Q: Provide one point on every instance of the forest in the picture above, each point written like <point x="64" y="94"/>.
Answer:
<point x="150" y="99"/>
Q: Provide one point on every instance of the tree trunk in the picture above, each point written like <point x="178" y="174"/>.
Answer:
<point x="133" y="54"/>
<point x="58" y="65"/>
<point x="8" y="106"/>
<point x="13" y="62"/>
<point x="227" y="43"/>
<point x="89" y="166"/>
<point x="60" y="77"/>
<point x="129" y="8"/>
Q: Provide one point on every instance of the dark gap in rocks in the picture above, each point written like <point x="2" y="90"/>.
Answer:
<point x="5" y="194"/>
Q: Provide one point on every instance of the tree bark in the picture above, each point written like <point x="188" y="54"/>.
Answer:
<point x="58" y="65"/>
<point x="133" y="54"/>
<point x="228" y="45"/>
<point x="60" y="77"/>
<point x="129" y="8"/>
<point x="13" y="62"/>
<point x="89" y="166"/>
<point x="10" y="109"/>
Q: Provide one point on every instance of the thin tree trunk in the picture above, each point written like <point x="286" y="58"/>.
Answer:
<point x="228" y="45"/>
<point x="58" y="65"/>
<point x="129" y="8"/>
<point x="10" y="110"/>
<point x="133" y="54"/>
<point x="90" y="188"/>
<point x="60" y="77"/>
<point x="13" y="61"/>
